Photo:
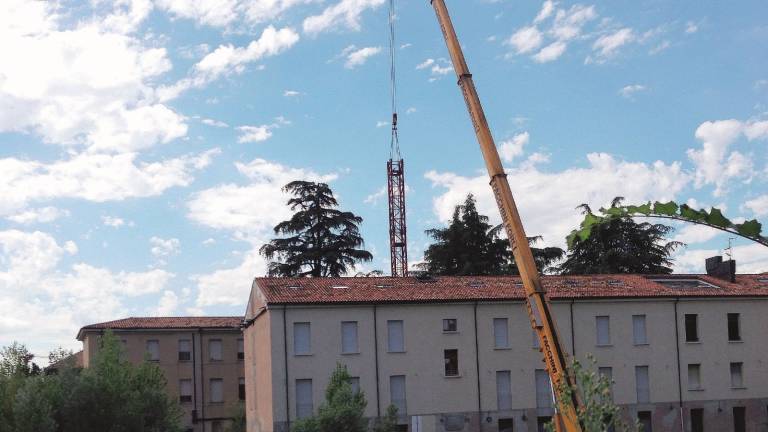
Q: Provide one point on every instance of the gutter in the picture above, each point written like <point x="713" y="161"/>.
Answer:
<point x="477" y="371"/>
<point x="679" y="378"/>
<point x="376" y="359"/>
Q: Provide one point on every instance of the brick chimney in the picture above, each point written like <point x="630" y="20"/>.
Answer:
<point x="725" y="270"/>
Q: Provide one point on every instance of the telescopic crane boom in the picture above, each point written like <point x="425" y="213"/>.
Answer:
<point x="539" y="313"/>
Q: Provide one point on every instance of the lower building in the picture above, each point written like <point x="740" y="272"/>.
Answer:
<point x="684" y="352"/>
<point x="202" y="358"/>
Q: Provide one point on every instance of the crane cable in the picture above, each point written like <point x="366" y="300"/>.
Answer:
<point x="394" y="145"/>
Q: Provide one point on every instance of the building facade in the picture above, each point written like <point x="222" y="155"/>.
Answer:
<point x="201" y="357"/>
<point x="685" y="353"/>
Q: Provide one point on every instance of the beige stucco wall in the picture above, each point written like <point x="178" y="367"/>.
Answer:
<point x="230" y="369"/>
<point x="259" y="382"/>
<point x="429" y="392"/>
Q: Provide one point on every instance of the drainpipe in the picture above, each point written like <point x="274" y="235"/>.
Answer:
<point x="285" y="360"/>
<point x="573" y="337"/>
<point x="376" y="359"/>
<point x="202" y="378"/>
<point x="477" y="369"/>
<point x="679" y="379"/>
<point x="194" y="378"/>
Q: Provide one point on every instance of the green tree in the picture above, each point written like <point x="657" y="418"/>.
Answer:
<point x="598" y="411"/>
<point x="388" y="423"/>
<point x="621" y="246"/>
<point x="318" y="240"/>
<point x="343" y="409"/>
<point x="470" y="245"/>
<point x="238" y="423"/>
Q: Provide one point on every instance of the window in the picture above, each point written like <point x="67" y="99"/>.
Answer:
<point x="450" y="325"/>
<point x="739" y="419"/>
<point x="395" y="341"/>
<point x="602" y="324"/>
<point x="217" y="390"/>
<point x="185" y="350"/>
<point x="304" y="406"/>
<point x="645" y="420"/>
<point x="541" y="423"/>
<point x="607" y="373"/>
<point x="349" y="337"/>
<point x="241" y="389"/>
<point x="451" y="357"/>
<point x="240" y="349"/>
<point x="737" y="376"/>
<point x="694" y="377"/>
<point x="397" y="393"/>
<point x="504" y="390"/>
<point x="153" y="350"/>
<point x="536" y="342"/>
<point x="543" y="389"/>
<point x="354" y="382"/>
<point x="302" y="338"/>
<point x="185" y="390"/>
<point x="506" y="425"/>
<point x="216" y="426"/>
<point x="500" y="333"/>
<point x="638" y="330"/>
<point x="214" y="349"/>
<point x="642" y="384"/>
<point x="691" y="328"/>
<point x="697" y="419"/>
<point x="734" y="330"/>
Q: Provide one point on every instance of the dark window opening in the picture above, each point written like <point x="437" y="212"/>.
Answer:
<point x="691" y="328"/>
<point x="451" y="362"/>
<point x="450" y="325"/>
<point x="241" y="389"/>
<point x="646" y="423"/>
<point x="541" y="423"/>
<point x="185" y="356"/>
<point x="185" y="398"/>
<point x="506" y="425"/>
<point x="734" y="332"/>
<point x="739" y="419"/>
<point x="697" y="419"/>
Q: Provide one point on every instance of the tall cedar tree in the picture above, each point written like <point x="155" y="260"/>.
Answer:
<point x="622" y="246"/>
<point x="472" y="246"/>
<point x="319" y="240"/>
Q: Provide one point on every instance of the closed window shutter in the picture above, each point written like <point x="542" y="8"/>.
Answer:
<point x="301" y="338"/>
<point x="304" y="406"/>
<point x="603" y="330"/>
<point x="504" y="390"/>
<point x="501" y="332"/>
<point x="214" y="349"/>
<point x="395" y="341"/>
<point x="185" y="390"/>
<point x="543" y="389"/>
<point x="638" y="330"/>
<point x="397" y="393"/>
<point x="642" y="384"/>
<point x="217" y="390"/>
<point x="349" y="337"/>
<point x="153" y="349"/>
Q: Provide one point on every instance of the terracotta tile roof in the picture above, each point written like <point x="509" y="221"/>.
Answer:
<point x="490" y="288"/>
<point x="166" y="323"/>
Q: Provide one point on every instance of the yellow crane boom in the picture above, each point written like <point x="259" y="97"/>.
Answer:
<point x="541" y="318"/>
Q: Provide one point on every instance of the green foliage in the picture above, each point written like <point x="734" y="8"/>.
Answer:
<point x="111" y="396"/>
<point x="469" y="245"/>
<point x="319" y="240"/>
<point x="751" y="229"/>
<point x="598" y="412"/>
<point x="342" y="411"/>
<point x="615" y="244"/>
<point x="238" y="423"/>
<point x="388" y="423"/>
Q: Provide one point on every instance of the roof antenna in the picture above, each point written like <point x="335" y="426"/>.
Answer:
<point x="729" y="252"/>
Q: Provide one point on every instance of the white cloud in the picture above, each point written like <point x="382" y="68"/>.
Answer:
<point x="663" y="45"/>
<point x="526" y="39"/>
<point x="630" y="90"/>
<point x="93" y="177"/>
<point x="381" y="123"/>
<point x="162" y="248"/>
<point x="208" y="12"/>
<point x="512" y="148"/>
<point x="568" y="24"/>
<point x="376" y="196"/>
<point x="759" y="205"/>
<point x="425" y="64"/>
<point x="693" y="234"/>
<point x="209" y="241"/>
<point x="112" y="221"/>
<point x="550" y="52"/>
<point x="254" y="133"/>
<point x="607" y="46"/>
<point x="437" y="68"/>
<point x="168" y="304"/>
<point x="756" y="130"/>
<point x="547" y="8"/>
<point x="214" y="123"/>
<point x="291" y="93"/>
<point x="545" y="209"/>
<point x="48" y="303"/>
<point x="357" y="57"/>
<point x="228" y="59"/>
<point x="87" y="86"/>
<point x="751" y="258"/>
<point x="38" y="215"/>
<point x="344" y="14"/>
<point x="691" y="27"/>
<point x="230" y="286"/>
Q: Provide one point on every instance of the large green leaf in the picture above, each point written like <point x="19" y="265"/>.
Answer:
<point x="614" y="211"/>
<point x="715" y="217"/>
<point x="665" y="209"/>
<point x="692" y="215"/>
<point x="750" y="228"/>
<point x="642" y="209"/>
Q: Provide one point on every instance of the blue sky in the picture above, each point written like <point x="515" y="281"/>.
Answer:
<point x="143" y="143"/>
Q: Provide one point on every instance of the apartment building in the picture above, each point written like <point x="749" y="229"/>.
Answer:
<point x="202" y="358"/>
<point x="684" y="352"/>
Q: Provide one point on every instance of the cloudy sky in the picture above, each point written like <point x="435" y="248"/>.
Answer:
<point x="143" y="143"/>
